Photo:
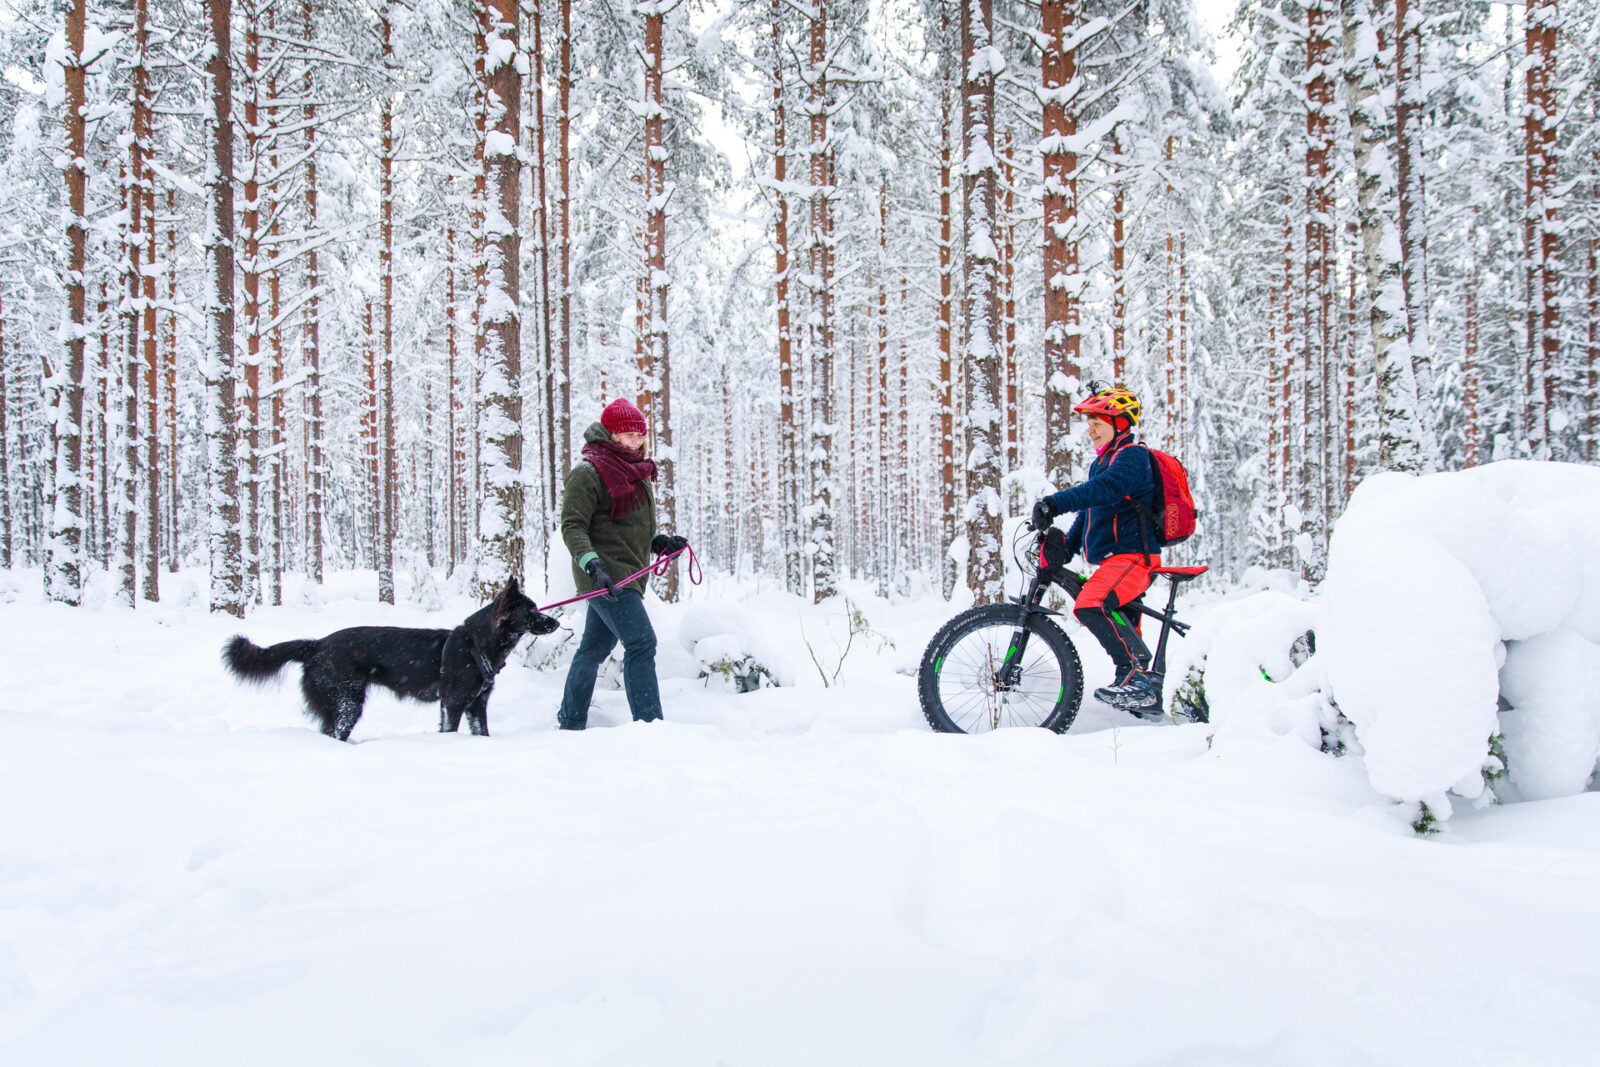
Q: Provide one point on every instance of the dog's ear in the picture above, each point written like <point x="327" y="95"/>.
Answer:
<point x="511" y="588"/>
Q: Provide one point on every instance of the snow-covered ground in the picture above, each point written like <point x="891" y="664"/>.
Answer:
<point x="190" y="874"/>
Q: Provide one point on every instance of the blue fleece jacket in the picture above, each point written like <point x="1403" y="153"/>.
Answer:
<point x="1108" y="524"/>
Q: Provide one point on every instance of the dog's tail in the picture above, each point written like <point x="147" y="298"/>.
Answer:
<point x="252" y="663"/>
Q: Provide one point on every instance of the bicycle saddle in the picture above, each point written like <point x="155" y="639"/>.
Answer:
<point x="1180" y="574"/>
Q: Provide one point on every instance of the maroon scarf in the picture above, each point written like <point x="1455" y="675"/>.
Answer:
<point x="623" y="470"/>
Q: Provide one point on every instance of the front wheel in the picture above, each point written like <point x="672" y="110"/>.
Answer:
<point x="960" y="684"/>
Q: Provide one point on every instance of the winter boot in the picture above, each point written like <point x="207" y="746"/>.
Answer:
<point x="1139" y="693"/>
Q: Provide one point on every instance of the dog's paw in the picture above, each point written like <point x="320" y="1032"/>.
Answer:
<point x="545" y="624"/>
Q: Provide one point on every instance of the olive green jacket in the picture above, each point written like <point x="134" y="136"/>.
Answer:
<point x="623" y="545"/>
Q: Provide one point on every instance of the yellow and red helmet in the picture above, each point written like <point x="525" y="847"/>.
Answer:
<point x="1112" y="404"/>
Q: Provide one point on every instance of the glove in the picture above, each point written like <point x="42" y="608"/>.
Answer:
<point x="667" y="544"/>
<point x="1044" y="513"/>
<point x="601" y="579"/>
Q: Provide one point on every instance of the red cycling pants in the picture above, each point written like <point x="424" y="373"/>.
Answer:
<point x="1120" y="581"/>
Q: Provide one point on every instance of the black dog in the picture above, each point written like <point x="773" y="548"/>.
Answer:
<point x="455" y="667"/>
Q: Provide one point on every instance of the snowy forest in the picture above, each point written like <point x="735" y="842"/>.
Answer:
<point x="295" y="286"/>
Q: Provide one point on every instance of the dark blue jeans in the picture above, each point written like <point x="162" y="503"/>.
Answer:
<point x="610" y="621"/>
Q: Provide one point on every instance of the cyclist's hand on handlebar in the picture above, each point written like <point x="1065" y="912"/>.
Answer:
<point x="1044" y="513"/>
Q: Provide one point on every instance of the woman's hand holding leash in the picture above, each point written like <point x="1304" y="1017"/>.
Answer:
<point x="604" y="586"/>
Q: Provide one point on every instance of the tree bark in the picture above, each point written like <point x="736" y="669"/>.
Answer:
<point x="222" y="439"/>
<point x="1063" y="285"/>
<point x="252" y="304"/>
<point x="274" y="480"/>
<point x="564" y="319"/>
<point x="144" y="283"/>
<point x="1316" y="332"/>
<point x="1540" y="227"/>
<point x="824" y="567"/>
<point x="1119" y="263"/>
<point x="389" y="474"/>
<point x="658" y="384"/>
<point x="788" y="439"/>
<point x="170" y="373"/>
<point x="981" y="290"/>
<point x="5" y="448"/>
<point x="310" y="351"/>
<point x="946" y="394"/>
<point x="63" y="574"/>
<point x="1411" y="215"/>
<point x="500" y="431"/>
<point x="1399" y="437"/>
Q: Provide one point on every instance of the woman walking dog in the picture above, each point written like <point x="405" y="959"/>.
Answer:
<point x="608" y="521"/>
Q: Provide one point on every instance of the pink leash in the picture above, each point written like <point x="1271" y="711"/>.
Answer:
<point x="658" y="568"/>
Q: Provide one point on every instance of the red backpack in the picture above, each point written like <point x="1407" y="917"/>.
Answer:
<point x="1172" y="517"/>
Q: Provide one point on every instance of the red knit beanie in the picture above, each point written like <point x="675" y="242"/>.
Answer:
<point x="620" y="416"/>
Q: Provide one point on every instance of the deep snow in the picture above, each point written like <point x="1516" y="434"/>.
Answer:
<point x="189" y="874"/>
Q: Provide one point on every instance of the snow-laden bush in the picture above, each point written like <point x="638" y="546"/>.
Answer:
<point x="424" y="587"/>
<point x="1462" y="605"/>
<point x="1252" y="662"/>
<point x="730" y="649"/>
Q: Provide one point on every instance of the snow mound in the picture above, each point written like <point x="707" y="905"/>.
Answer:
<point x="1259" y="676"/>
<point x="1447" y="594"/>
<point x="729" y="647"/>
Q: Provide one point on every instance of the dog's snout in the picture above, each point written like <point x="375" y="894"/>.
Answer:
<point x="545" y="624"/>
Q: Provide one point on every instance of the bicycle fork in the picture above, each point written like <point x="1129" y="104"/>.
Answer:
<point x="1009" y="676"/>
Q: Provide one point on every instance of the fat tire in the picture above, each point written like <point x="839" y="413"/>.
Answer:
<point x="1041" y="628"/>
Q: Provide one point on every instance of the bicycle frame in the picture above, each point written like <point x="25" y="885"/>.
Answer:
<point x="1030" y="604"/>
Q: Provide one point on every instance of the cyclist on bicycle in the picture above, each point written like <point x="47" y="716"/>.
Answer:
<point x="1110" y="531"/>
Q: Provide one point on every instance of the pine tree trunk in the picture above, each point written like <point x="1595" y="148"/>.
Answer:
<point x="1352" y="317"/>
<point x="1119" y="263"/>
<point x="945" y="398"/>
<point x="222" y="438"/>
<point x="371" y="452"/>
<point x="144" y="285"/>
<point x="1591" y="403"/>
<point x="1411" y="216"/>
<point x="1471" y="375"/>
<point x="981" y="289"/>
<point x="1008" y="297"/>
<point x="63" y="574"/>
<point x="564" y="319"/>
<point x="453" y="422"/>
<point x="170" y="373"/>
<point x="541" y="230"/>
<point x="1399" y="435"/>
<point x="5" y="447"/>
<point x="127" y="400"/>
<point x="882" y="555"/>
<point x="1275" y="430"/>
<point x="388" y="473"/>
<point x="1317" y="322"/>
<point x="657" y="386"/>
<point x="105" y="409"/>
<point x="1541" y="236"/>
<point x="252" y="305"/>
<point x="824" y="567"/>
<point x="904" y="550"/>
<point x="272" y="570"/>
<point x="1063" y="285"/>
<point x="316" y="474"/>
<point x="1182" y="438"/>
<point x="1286" y="400"/>
<point x="788" y="437"/>
<point x="500" y="432"/>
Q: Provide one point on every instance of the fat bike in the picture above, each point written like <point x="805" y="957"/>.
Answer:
<point x="1010" y="664"/>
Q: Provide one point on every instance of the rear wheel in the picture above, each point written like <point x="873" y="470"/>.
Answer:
<point x="959" y="681"/>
